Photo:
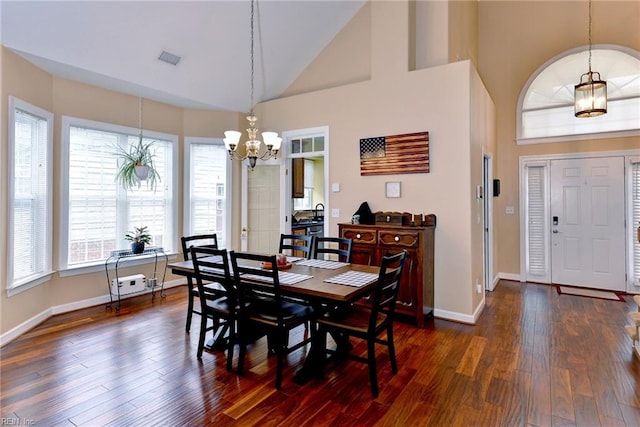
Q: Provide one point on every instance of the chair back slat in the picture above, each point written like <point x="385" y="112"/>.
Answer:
<point x="332" y="245"/>
<point x="212" y="265"/>
<point x="296" y="242"/>
<point x="249" y="291"/>
<point x="199" y="240"/>
<point x="386" y="291"/>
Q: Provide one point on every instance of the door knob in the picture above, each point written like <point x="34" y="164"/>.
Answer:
<point x="555" y="231"/>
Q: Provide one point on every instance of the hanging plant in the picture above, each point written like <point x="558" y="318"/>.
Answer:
<point x="137" y="166"/>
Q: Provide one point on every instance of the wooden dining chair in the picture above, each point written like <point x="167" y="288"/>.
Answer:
<point x="216" y="305"/>
<point x="262" y="306"/>
<point x="200" y="240"/>
<point x="296" y="242"/>
<point x="332" y="245"/>
<point x="369" y="322"/>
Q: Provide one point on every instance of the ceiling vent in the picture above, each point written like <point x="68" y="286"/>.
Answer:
<point x="169" y="58"/>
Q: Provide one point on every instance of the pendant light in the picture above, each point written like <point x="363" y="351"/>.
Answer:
<point x="253" y="147"/>
<point x="590" y="95"/>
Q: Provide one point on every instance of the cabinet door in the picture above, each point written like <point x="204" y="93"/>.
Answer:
<point x="297" y="176"/>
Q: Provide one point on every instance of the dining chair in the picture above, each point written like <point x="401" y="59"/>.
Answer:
<point x="200" y="240"/>
<point x="219" y="306"/>
<point x="262" y="306"/>
<point x="296" y="242"/>
<point x="332" y="245"/>
<point x="369" y="322"/>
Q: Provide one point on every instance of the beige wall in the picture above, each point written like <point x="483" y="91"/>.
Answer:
<point x="395" y="100"/>
<point x="517" y="37"/>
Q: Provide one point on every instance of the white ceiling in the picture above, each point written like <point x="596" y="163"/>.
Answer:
<point x="116" y="44"/>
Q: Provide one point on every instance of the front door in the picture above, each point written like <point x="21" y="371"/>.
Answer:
<point x="587" y="223"/>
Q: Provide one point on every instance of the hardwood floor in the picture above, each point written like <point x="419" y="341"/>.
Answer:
<point x="535" y="358"/>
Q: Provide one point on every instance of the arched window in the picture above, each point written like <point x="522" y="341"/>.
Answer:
<point x="545" y="107"/>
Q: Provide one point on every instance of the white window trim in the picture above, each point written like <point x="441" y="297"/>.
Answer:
<point x="575" y="137"/>
<point x="186" y="227"/>
<point x="13" y="289"/>
<point x="67" y="122"/>
<point x="526" y="161"/>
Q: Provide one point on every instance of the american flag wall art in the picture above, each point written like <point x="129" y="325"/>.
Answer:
<point x="395" y="154"/>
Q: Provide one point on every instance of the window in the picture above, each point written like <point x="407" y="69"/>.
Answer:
<point x="207" y="189"/>
<point x="30" y="194"/>
<point x="545" y="107"/>
<point x="96" y="210"/>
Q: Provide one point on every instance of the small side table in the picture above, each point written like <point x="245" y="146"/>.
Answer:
<point x="120" y="256"/>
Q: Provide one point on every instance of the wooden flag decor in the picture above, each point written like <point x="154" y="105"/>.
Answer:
<point x="395" y="154"/>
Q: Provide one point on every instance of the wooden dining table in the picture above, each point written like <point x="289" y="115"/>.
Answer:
<point x="314" y="281"/>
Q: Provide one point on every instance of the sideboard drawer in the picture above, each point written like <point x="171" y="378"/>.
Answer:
<point x="361" y="235"/>
<point x="407" y="239"/>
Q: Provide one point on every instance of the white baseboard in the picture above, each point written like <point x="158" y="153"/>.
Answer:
<point x="510" y="276"/>
<point x="458" y="317"/>
<point x="29" y="324"/>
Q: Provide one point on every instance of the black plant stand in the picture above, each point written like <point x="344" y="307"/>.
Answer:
<point x="120" y="256"/>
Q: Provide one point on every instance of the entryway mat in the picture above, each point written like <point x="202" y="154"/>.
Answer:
<point x="592" y="293"/>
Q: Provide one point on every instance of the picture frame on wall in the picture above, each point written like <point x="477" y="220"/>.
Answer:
<point x="392" y="189"/>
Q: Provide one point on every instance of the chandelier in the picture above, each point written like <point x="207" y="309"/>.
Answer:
<point x="590" y="95"/>
<point x="253" y="146"/>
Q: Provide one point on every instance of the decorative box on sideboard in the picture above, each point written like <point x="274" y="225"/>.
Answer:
<point x="372" y="242"/>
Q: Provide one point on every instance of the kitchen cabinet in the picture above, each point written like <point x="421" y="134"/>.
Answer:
<point x="297" y="177"/>
<point x="372" y="242"/>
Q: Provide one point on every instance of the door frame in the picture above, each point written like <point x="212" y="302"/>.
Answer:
<point x="545" y="160"/>
<point x="285" y="202"/>
<point x="487" y="178"/>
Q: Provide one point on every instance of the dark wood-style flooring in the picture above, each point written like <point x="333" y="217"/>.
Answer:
<point x="535" y="358"/>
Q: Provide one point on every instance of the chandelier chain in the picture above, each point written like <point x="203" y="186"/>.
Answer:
<point x="589" y="36"/>
<point x="252" y="57"/>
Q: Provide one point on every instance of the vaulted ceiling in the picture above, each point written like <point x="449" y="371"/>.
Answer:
<point x="116" y="45"/>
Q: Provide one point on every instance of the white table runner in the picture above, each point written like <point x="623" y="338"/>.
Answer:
<point x="320" y="263"/>
<point x="353" y="278"/>
<point x="284" y="277"/>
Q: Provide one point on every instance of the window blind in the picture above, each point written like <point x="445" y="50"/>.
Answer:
<point x="208" y="190"/>
<point x="100" y="211"/>
<point x="635" y="206"/>
<point x="536" y="228"/>
<point x="31" y="199"/>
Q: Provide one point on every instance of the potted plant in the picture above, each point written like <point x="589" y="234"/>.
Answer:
<point x="138" y="237"/>
<point x="137" y="165"/>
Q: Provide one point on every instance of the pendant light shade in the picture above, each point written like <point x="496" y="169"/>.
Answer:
<point x="590" y="95"/>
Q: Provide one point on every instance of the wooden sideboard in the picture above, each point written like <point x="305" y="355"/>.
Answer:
<point x="372" y="242"/>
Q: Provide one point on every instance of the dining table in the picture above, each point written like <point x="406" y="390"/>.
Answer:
<point x="322" y="283"/>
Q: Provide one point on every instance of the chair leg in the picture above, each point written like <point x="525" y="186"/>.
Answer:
<point x="392" y="349"/>
<point x="281" y="351"/>
<point x="203" y="335"/>
<point x="190" y="306"/>
<point x="231" y="343"/>
<point x="242" y="347"/>
<point x="373" y="375"/>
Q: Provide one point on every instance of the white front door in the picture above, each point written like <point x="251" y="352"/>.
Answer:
<point x="587" y="222"/>
<point x="261" y="208"/>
